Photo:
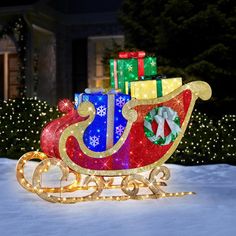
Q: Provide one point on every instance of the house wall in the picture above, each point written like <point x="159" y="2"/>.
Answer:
<point x="64" y="63"/>
<point x="44" y="65"/>
<point x="79" y="65"/>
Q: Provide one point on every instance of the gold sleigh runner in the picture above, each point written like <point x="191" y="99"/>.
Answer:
<point x="146" y="182"/>
<point x="130" y="184"/>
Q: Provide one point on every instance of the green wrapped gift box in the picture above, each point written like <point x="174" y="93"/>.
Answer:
<point x="130" y="69"/>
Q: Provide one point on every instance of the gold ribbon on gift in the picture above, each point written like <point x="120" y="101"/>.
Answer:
<point x="110" y="120"/>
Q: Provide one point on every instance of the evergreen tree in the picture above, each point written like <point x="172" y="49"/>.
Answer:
<point x="195" y="39"/>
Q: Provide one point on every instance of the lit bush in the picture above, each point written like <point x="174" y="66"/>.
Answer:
<point x="206" y="141"/>
<point x="21" y="122"/>
<point x="226" y="127"/>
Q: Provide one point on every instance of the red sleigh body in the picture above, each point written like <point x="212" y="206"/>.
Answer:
<point x="134" y="152"/>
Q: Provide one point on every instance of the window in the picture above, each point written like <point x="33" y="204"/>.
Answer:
<point x="98" y="73"/>
<point x="13" y="76"/>
<point x="1" y="77"/>
<point x="9" y="65"/>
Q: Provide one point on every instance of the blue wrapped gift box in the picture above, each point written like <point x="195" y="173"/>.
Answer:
<point x="108" y="124"/>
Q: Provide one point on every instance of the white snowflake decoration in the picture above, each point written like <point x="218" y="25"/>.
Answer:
<point x="101" y="111"/>
<point x="120" y="101"/>
<point x="94" y="140"/>
<point x="120" y="129"/>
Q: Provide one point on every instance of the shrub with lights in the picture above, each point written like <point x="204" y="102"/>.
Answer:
<point x="207" y="141"/>
<point x="226" y="127"/>
<point x="21" y="122"/>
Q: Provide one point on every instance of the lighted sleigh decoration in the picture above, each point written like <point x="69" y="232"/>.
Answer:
<point x="153" y="130"/>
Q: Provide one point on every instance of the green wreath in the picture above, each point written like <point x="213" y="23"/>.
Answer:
<point x="160" y="115"/>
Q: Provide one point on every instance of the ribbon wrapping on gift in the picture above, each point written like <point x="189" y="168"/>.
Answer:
<point x="109" y="123"/>
<point x="152" y="77"/>
<point x="130" y="67"/>
<point x="138" y="54"/>
<point x="148" y="89"/>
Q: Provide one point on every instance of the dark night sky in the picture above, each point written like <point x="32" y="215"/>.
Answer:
<point x="6" y="3"/>
<point x="86" y="6"/>
<point x="71" y="6"/>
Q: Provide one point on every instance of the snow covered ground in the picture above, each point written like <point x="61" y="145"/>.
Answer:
<point x="211" y="212"/>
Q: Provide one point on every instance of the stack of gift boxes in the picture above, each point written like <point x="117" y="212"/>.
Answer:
<point x="135" y="74"/>
<point x="132" y="75"/>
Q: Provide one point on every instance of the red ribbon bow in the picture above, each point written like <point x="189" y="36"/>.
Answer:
<point x="138" y="54"/>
